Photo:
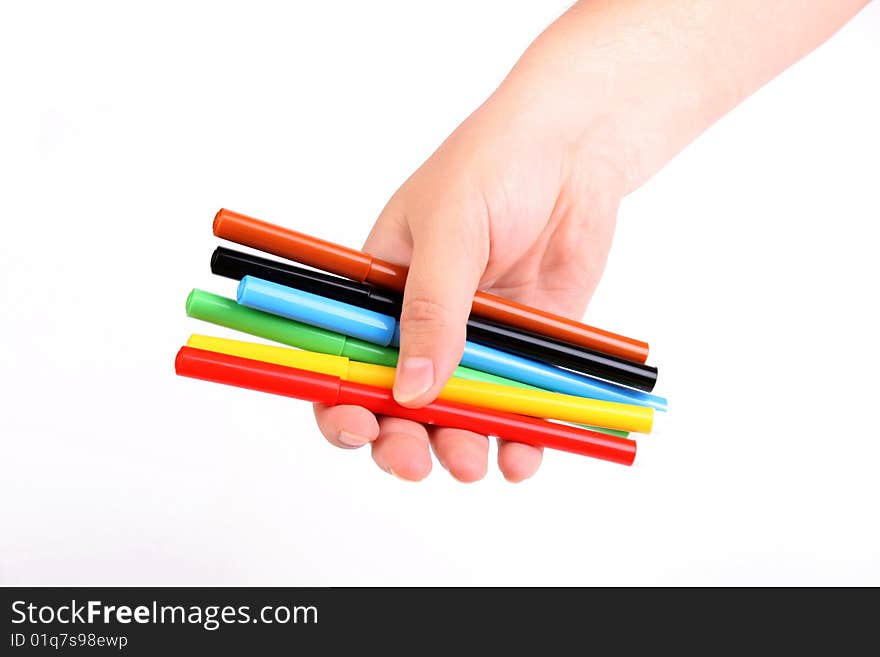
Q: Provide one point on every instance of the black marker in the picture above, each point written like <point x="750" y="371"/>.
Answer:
<point x="236" y="265"/>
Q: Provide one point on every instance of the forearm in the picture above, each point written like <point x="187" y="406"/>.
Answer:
<point x="651" y="75"/>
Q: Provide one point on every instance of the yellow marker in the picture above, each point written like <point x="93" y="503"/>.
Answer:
<point x="537" y="403"/>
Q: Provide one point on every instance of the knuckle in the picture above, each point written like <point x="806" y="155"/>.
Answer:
<point x="423" y="314"/>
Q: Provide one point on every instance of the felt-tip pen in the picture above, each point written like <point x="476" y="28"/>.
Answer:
<point x="326" y="389"/>
<point x="236" y="265"/>
<point x="278" y="300"/>
<point x="536" y="403"/>
<point x="221" y="311"/>
<point x="362" y="267"/>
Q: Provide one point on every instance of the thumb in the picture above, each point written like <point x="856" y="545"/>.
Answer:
<point x="449" y="256"/>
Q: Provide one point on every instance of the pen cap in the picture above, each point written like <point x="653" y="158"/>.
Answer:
<point x="226" y="312"/>
<point x="299" y="358"/>
<point x="266" y="377"/>
<point x="311" y="251"/>
<point x="367" y="352"/>
<point x="315" y="310"/>
<point x="236" y="265"/>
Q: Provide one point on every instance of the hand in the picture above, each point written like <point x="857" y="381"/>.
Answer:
<point x="521" y="199"/>
<point x="506" y="204"/>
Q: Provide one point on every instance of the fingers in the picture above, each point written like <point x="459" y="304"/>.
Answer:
<point x="517" y="461"/>
<point x="348" y="427"/>
<point x="402" y="449"/>
<point x="463" y="453"/>
<point x="449" y="255"/>
<point x="446" y="248"/>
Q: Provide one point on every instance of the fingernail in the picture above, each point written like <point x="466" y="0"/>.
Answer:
<point x="415" y="376"/>
<point x="351" y="439"/>
<point x="394" y="474"/>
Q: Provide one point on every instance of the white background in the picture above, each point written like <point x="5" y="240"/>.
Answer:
<point x="122" y="131"/>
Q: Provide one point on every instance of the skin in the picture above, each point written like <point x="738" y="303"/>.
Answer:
<point x="521" y="199"/>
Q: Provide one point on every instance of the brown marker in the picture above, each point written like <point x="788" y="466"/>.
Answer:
<point x="360" y="266"/>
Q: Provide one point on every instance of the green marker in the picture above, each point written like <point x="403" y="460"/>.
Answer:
<point x="219" y="310"/>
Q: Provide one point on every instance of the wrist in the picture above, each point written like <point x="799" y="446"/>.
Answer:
<point x="641" y="79"/>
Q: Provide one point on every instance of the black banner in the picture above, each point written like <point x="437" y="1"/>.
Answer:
<point x="150" y="621"/>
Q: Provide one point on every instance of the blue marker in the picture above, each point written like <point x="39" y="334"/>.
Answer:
<point x="316" y="310"/>
<point x="510" y="366"/>
<point x="385" y="330"/>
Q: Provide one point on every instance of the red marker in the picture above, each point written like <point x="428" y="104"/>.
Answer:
<point x="315" y="387"/>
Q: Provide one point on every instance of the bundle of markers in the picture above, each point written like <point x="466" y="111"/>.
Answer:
<point x="525" y="375"/>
